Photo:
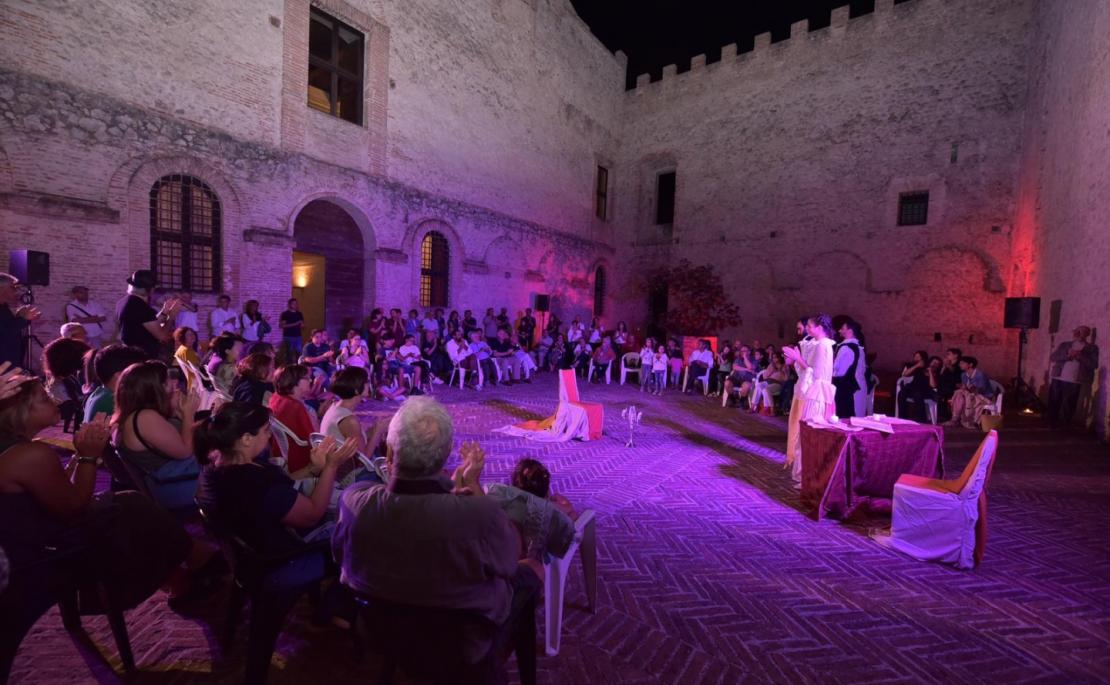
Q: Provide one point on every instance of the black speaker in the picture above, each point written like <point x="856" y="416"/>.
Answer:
<point x="1022" y="312"/>
<point x="30" y="267"/>
<point x="543" y="302"/>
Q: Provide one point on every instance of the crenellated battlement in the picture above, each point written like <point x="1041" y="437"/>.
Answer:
<point x="801" y="38"/>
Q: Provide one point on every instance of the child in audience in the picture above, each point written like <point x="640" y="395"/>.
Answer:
<point x="647" y="356"/>
<point x="659" y="365"/>
<point x="391" y="387"/>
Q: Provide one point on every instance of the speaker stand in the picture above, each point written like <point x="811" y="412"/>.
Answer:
<point x="1024" y="396"/>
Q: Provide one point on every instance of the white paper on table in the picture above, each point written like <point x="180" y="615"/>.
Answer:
<point x="873" y="424"/>
<point x="840" y="426"/>
<point x="897" y="421"/>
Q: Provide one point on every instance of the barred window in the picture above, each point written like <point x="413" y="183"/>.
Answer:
<point x="913" y="208"/>
<point x="185" y="234"/>
<point x="435" y="267"/>
<point x="335" y="52"/>
<point x="599" y="291"/>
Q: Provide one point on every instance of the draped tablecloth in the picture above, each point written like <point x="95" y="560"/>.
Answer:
<point x="845" y="472"/>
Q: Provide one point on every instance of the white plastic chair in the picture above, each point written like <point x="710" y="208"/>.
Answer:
<point x="376" y="464"/>
<point x="930" y="405"/>
<point x="704" y="379"/>
<point x="625" y="369"/>
<point x="208" y="398"/>
<point x="282" y="435"/>
<point x="943" y="520"/>
<point x="608" y="371"/>
<point x="996" y="406"/>
<point x="555" y="578"/>
<point x="459" y="371"/>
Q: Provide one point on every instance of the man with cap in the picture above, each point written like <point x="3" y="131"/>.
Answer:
<point x="139" y="324"/>
<point x="88" y="313"/>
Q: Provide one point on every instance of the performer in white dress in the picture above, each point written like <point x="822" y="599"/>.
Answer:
<point x="814" y="395"/>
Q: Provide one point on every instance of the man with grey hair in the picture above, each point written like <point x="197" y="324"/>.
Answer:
<point x="14" y="319"/>
<point x="1073" y="365"/>
<point x="427" y="540"/>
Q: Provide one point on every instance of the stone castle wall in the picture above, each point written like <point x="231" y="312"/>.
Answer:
<point x="1060" y="252"/>
<point x="790" y="160"/>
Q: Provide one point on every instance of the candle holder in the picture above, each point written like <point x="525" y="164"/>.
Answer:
<point x="633" y="416"/>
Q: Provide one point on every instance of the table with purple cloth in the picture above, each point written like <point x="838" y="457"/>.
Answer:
<point x="843" y="472"/>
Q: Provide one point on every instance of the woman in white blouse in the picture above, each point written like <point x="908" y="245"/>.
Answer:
<point x="814" y="395"/>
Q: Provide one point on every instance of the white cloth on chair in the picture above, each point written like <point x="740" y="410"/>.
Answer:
<point x="936" y="520"/>
<point x="570" y="421"/>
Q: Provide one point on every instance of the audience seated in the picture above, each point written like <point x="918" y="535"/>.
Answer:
<point x="470" y="555"/>
<point x="603" y="358"/>
<point x="351" y="386"/>
<point x="527" y="364"/>
<point x="58" y="536"/>
<point x="317" y="355"/>
<point x="253" y="384"/>
<point x="258" y="502"/>
<point x="543" y="520"/>
<point x="484" y="354"/>
<point x="108" y="365"/>
<point x="770" y="388"/>
<point x="701" y="360"/>
<point x="439" y="362"/>
<point x="291" y="387"/>
<point x="973" y="396"/>
<point x="722" y="369"/>
<point x="62" y="363"/>
<point x="918" y="388"/>
<point x="948" y="380"/>
<point x="221" y="365"/>
<point x="186" y="341"/>
<point x="411" y="361"/>
<point x="353" y="351"/>
<point x="504" y="355"/>
<point x="153" y="431"/>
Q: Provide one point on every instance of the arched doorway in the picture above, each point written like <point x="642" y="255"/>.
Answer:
<point x="328" y="267"/>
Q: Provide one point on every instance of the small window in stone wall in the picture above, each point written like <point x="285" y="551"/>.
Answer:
<point x="435" y="269"/>
<point x="913" y="208"/>
<point x="601" y="204"/>
<point x="335" y="56"/>
<point x="599" y="291"/>
<point x="185" y="234"/>
<point x="664" y="198"/>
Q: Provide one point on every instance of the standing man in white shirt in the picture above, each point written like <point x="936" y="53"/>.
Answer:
<point x="187" y="315"/>
<point x="222" y="319"/>
<point x="89" y="314"/>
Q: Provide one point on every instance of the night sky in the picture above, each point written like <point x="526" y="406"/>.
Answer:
<point x="655" y="33"/>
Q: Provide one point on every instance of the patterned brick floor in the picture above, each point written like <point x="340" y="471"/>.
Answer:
<point x="710" y="572"/>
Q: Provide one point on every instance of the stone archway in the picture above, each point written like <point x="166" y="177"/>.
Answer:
<point x="328" y="239"/>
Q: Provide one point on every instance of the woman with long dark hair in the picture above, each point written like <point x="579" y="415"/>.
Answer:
<point x="153" y="430"/>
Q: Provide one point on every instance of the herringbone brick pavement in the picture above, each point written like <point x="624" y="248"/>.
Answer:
<point x="711" y="572"/>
